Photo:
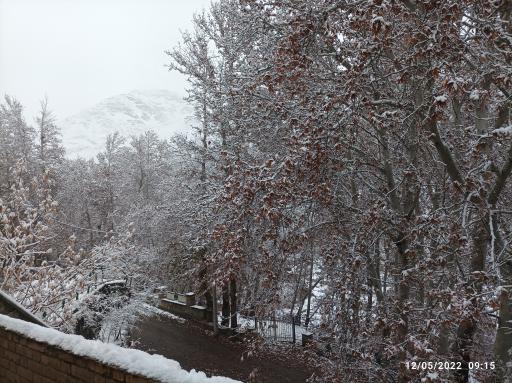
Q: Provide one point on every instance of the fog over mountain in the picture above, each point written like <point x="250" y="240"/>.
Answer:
<point x="162" y="111"/>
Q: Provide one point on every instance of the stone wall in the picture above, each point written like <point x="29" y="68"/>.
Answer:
<point x="24" y="360"/>
<point x="181" y="309"/>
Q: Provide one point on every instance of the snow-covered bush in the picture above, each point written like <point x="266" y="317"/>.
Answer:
<point x="38" y="279"/>
<point x="120" y="279"/>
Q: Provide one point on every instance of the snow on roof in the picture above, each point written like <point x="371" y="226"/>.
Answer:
<point x="12" y="302"/>
<point x="133" y="361"/>
<point x="109" y="283"/>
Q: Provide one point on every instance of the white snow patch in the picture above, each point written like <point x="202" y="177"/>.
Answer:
<point x="378" y="19"/>
<point x="164" y="313"/>
<point x="474" y="95"/>
<point x="505" y="131"/>
<point x="442" y="98"/>
<point x="173" y="301"/>
<point x="431" y="376"/>
<point x="133" y="361"/>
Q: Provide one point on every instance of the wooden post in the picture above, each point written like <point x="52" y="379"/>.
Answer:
<point x="190" y="299"/>
<point x="307" y="337"/>
<point x="274" y="326"/>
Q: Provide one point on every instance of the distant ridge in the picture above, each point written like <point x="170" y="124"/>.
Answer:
<point x="133" y="113"/>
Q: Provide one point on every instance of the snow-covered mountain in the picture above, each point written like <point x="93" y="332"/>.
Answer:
<point x="162" y="111"/>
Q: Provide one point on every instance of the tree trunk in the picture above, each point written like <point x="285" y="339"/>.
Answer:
<point x="403" y="298"/>
<point x="310" y="290"/>
<point x="369" y="305"/>
<point x="503" y="343"/>
<point x="225" y="306"/>
<point x="467" y="326"/>
<point x="232" y="298"/>
<point x="502" y="346"/>
<point x="462" y="347"/>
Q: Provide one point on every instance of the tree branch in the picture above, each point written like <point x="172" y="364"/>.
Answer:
<point x="501" y="180"/>
<point x="444" y="152"/>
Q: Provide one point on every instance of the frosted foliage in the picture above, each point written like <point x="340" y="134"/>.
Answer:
<point x="39" y="279"/>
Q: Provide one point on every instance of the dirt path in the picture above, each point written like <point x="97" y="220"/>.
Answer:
<point x="192" y="348"/>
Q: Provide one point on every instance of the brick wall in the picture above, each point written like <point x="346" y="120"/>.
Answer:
<point x="24" y="360"/>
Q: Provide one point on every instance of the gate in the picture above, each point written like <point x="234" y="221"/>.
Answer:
<point x="276" y="330"/>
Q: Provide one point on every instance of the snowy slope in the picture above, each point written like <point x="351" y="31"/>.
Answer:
<point x="132" y="113"/>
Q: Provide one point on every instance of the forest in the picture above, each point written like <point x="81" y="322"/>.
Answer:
<point x="350" y="169"/>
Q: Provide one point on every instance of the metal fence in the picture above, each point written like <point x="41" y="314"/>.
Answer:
<point x="277" y="330"/>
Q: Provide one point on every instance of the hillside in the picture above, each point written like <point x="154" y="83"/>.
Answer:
<point x="132" y="113"/>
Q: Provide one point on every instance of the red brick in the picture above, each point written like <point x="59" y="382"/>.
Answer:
<point x="64" y="367"/>
<point x="25" y="374"/>
<point x="4" y="343"/>
<point x="98" y="368"/>
<point x="51" y="361"/>
<point x="11" y="376"/>
<point x="4" y="363"/>
<point x="12" y="356"/>
<point x="54" y="375"/>
<point x="12" y="346"/>
<point x="118" y="375"/>
<point x="42" y="379"/>
<point x="137" y="379"/>
<point x="82" y="373"/>
<point x="35" y="366"/>
<point x="41" y="347"/>
<point x="66" y="356"/>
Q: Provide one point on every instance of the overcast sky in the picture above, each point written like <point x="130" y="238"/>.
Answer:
<point x="81" y="51"/>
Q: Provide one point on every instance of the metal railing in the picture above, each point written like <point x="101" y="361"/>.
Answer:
<point x="276" y="330"/>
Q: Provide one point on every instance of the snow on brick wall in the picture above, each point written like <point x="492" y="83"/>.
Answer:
<point x="31" y="353"/>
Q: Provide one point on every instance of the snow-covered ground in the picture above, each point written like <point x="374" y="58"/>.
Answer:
<point x="133" y="361"/>
<point x="156" y="310"/>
